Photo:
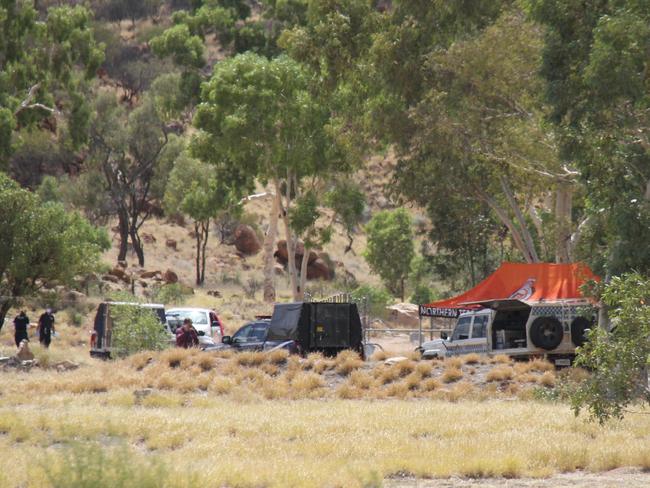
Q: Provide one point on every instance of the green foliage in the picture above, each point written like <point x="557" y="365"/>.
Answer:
<point x="170" y="294"/>
<point x="390" y="249"/>
<point x="619" y="359"/>
<point x="41" y="243"/>
<point x="348" y="202"/>
<point x="193" y="190"/>
<point x="136" y="329"/>
<point x="43" y="65"/>
<point x="49" y="190"/>
<point x="595" y="65"/>
<point x="376" y="298"/>
<point x="92" y="465"/>
<point x="183" y="47"/>
<point x="422" y="294"/>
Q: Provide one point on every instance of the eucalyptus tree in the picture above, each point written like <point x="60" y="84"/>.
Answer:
<point x="45" y="63"/>
<point x="258" y="118"/>
<point x="41" y="243"/>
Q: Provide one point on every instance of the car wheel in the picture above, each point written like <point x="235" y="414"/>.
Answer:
<point x="546" y="332"/>
<point x="579" y="326"/>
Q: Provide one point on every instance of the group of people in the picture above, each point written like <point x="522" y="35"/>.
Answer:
<point x="186" y="335"/>
<point x="45" y="328"/>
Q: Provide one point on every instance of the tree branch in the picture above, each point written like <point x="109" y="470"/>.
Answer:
<point x="27" y="104"/>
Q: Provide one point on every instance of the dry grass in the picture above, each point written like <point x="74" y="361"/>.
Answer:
<point x="347" y="362"/>
<point x="500" y="358"/>
<point x="472" y="358"/>
<point x="547" y="379"/>
<point x="454" y="362"/>
<point x="451" y="374"/>
<point x="180" y="433"/>
<point x="500" y="373"/>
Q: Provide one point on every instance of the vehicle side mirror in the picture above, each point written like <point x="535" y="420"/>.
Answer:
<point x="443" y="335"/>
<point x="201" y="333"/>
<point x="226" y="340"/>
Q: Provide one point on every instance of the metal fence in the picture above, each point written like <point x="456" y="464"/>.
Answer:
<point x="366" y="321"/>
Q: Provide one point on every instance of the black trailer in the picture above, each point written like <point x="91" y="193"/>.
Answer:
<point x="317" y="326"/>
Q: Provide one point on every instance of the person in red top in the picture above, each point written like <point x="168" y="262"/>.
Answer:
<point x="186" y="335"/>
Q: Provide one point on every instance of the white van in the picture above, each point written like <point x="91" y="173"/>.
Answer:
<point x="519" y="329"/>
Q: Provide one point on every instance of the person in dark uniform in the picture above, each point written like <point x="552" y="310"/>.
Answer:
<point x="46" y="328"/>
<point x="21" y="322"/>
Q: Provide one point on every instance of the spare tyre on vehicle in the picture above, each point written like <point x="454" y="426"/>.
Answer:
<point x="546" y="332"/>
<point x="579" y="328"/>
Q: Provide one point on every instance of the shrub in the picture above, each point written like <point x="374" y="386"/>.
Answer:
<point x="136" y="329"/>
<point x="422" y="294"/>
<point x="173" y="293"/>
<point x="377" y="299"/>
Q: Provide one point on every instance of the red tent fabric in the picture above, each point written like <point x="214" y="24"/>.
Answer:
<point x="519" y="281"/>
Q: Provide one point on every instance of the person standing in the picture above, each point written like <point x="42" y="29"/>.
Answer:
<point x="21" y="322"/>
<point x="186" y="335"/>
<point x="46" y="328"/>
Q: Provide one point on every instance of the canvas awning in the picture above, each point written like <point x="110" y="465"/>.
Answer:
<point x="517" y="281"/>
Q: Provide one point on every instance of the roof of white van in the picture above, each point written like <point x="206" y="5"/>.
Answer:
<point x="188" y="309"/>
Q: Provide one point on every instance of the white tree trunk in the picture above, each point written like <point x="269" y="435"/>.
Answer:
<point x="509" y="223"/>
<point x="269" y="245"/>
<point x="291" y="241"/>
<point x="563" y="209"/>
<point x="525" y="233"/>
<point x="303" y="274"/>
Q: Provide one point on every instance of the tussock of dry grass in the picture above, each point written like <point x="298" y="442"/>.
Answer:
<point x="303" y="384"/>
<point x="500" y="373"/>
<point x="361" y="380"/>
<point x="404" y="368"/>
<point x="424" y="369"/>
<point x="430" y="384"/>
<point x="250" y="358"/>
<point x="347" y="362"/>
<point x="547" y="379"/>
<point x="500" y="358"/>
<point x="451" y="374"/>
<point x="472" y="358"/>
<point x="279" y="356"/>
<point x="453" y="362"/>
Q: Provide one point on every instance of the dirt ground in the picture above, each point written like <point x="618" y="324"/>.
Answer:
<point x="620" y="477"/>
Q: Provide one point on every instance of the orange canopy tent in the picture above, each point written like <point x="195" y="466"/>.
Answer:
<point x="517" y="281"/>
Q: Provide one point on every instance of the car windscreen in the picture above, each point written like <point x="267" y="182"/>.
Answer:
<point x="197" y="317"/>
<point x="462" y="329"/>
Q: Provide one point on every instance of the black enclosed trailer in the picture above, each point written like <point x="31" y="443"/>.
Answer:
<point x="317" y="326"/>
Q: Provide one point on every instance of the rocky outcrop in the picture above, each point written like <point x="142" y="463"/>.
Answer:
<point x="170" y="277"/>
<point x="246" y="240"/>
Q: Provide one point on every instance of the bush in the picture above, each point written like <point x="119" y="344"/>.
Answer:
<point x="378" y="299"/>
<point x="422" y="294"/>
<point x="137" y="329"/>
<point x="172" y="293"/>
